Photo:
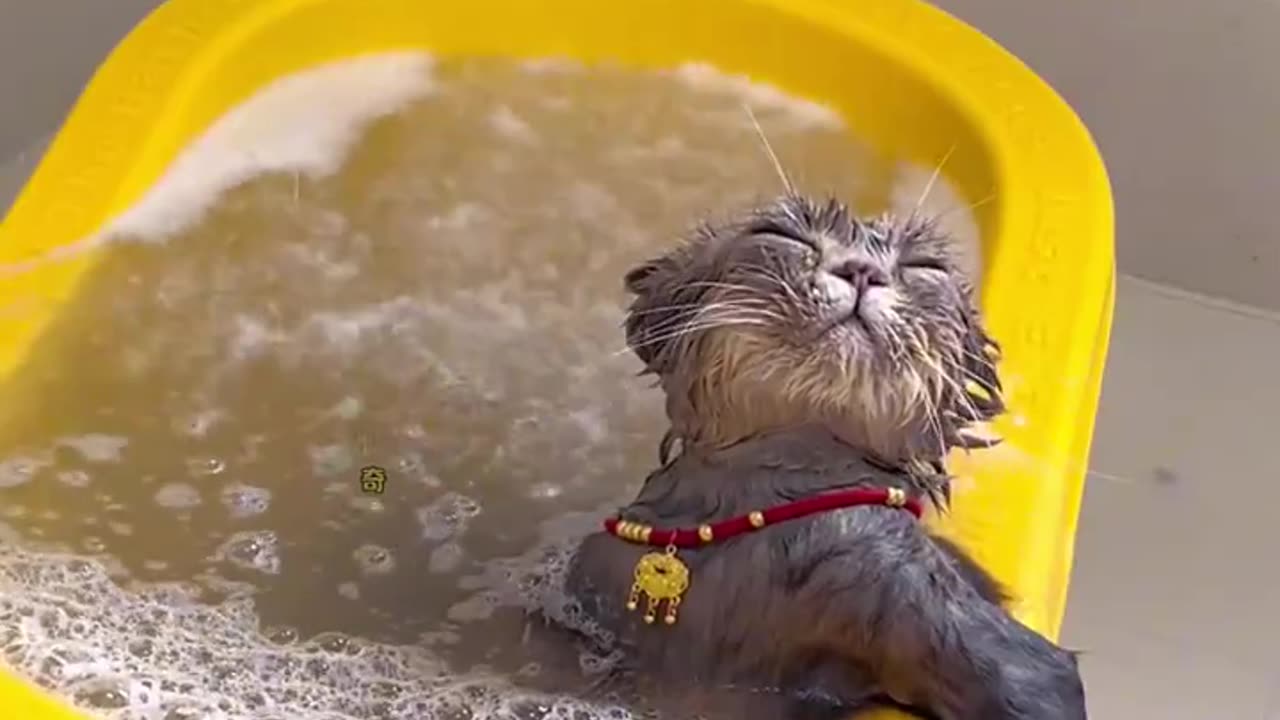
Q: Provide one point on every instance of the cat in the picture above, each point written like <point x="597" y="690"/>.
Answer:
<point x="803" y="353"/>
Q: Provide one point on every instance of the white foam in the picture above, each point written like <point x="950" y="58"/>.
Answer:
<point x="242" y="501"/>
<point x="200" y="467"/>
<point x="177" y="496"/>
<point x="508" y="124"/>
<point x="445" y="558"/>
<point x="257" y="550"/>
<point x="708" y="78"/>
<point x="447" y="517"/>
<point x="252" y="336"/>
<point x="349" y="590"/>
<point x="74" y="478"/>
<point x="545" y="491"/>
<point x="120" y="528"/>
<point x="374" y="559"/>
<point x="18" y="470"/>
<point x="96" y="447"/>
<point x="551" y="65"/>
<point x="330" y="460"/>
<point x="303" y="123"/>
<point x="535" y="580"/>
<point x="348" y="408"/>
<point x="199" y="424"/>
<point x="158" y="653"/>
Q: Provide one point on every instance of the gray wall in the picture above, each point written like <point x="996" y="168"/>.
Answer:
<point x="1183" y="96"/>
<point x="48" y="49"/>
<point x="1180" y="94"/>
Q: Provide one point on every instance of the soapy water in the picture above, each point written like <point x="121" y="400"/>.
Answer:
<point x="386" y="262"/>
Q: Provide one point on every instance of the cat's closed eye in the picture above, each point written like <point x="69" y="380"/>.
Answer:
<point x="925" y="265"/>
<point x="791" y="242"/>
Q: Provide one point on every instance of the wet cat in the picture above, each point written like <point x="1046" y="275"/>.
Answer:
<point x="805" y="353"/>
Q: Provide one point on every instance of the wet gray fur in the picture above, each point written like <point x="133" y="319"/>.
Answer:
<point x="804" y="350"/>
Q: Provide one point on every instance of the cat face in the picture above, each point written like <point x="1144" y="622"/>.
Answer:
<point x="798" y="312"/>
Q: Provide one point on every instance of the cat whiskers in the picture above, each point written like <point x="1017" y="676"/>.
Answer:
<point x="716" y="315"/>
<point x="768" y="148"/>
<point x="929" y="393"/>
<point x="772" y="276"/>
<point x="665" y="308"/>
<point x="946" y="378"/>
<point x="689" y="329"/>
<point x="965" y="208"/>
<point x="743" y="303"/>
<point x="972" y="415"/>
<point x="756" y="306"/>
<point x="933" y="179"/>
<point x="699" y="317"/>
<point x="932" y="415"/>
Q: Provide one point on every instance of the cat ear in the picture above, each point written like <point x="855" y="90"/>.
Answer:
<point x="636" y="281"/>
<point x="647" y="322"/>
<point x="665" y="301"/>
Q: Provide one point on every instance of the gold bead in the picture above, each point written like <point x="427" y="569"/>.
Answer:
<point x="649" y="618"/>
<point x="704" y="532"/>
<point x="621" y="529"/>
<point x="756" y="519"/>
<point x="670" y="619"/>
<point x="897" y="497"/>
<point x="632" y="605"/>
<point x="645" y="532"/>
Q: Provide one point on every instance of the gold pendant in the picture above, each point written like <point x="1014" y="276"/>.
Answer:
<point x="663" y="578"/>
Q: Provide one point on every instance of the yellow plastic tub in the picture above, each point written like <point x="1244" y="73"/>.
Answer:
<point x="907" y="78"/>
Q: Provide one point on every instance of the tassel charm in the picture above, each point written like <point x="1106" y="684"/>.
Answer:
<point x="663" y="578"/>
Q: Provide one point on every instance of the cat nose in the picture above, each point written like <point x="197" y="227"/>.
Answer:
<point x="860" y="274"/>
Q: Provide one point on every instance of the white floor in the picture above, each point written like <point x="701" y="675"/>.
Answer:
<point x="1176" y="577"/>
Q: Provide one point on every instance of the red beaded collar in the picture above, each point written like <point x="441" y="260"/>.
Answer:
<point x="705" y="534"/>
